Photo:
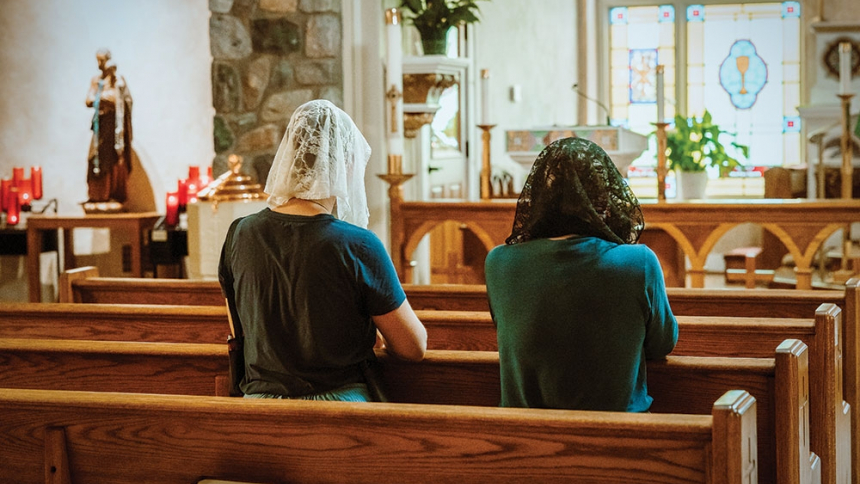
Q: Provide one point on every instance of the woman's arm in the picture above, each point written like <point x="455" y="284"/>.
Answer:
<point x="405" y="336"/>
<point x="661" y="332"/>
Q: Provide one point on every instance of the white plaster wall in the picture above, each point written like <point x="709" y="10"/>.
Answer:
<point x="47" y="58"/>
<point x="532" y="45"/>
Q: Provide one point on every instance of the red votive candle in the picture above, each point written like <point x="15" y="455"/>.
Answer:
<point x="13" y="212"/>
<point x="25" y="192"/>
<point x="182" y="192"/>
<point x="193" y="188"/>
<point x="17" y="175"/>
<point x="36" y="179"/>
<point x="172" y="215"/>
<point x="193" y="173"/>
<point x="5" y="185"/>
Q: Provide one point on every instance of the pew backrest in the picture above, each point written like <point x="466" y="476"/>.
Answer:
<point x="118" y="438"/>
<point x="679" y="384"/>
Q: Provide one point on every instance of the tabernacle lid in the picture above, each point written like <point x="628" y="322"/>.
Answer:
<point x="232" y="186"/>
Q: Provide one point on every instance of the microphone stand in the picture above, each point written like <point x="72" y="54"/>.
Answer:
<point x="595" y="101"/>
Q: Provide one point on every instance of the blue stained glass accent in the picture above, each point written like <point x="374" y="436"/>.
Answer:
<point x="643" y="76"/>
<point x="667" y="13"/>
<point x="618" y="15"/>
<point x="791" y="124"/>
<point x="790" y="9"/>
<point x="696" y="13"/>
<point x="743" y="74"/>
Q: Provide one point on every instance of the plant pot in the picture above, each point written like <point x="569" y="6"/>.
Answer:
<point x="435" y="43"/>
<point x="691" y="184"/>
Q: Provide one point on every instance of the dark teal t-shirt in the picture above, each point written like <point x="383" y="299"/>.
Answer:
<point x="576" y="320"/>
<point x="305" y="289"/>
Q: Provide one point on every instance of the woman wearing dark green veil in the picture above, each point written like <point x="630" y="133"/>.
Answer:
<point x="579" y="306"/>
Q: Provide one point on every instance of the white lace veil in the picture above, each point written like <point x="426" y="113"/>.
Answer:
<point x="322" y="155"/>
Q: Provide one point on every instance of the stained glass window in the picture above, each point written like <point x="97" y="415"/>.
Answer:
<point x="640" y="39"/>
<point x="742" y="64"/>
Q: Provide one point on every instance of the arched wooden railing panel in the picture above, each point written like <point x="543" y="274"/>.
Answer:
<point x="801" y="225"/>
<point x="414" y="238"/>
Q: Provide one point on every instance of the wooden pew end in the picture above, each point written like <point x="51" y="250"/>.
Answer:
<point x="69" y="276"/>
<point x="735" y="425"/>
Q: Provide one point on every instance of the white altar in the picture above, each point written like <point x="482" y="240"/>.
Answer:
<point x="622" y="145"/>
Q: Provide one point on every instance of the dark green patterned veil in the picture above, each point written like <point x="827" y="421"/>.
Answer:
<point x="575" y="188"/>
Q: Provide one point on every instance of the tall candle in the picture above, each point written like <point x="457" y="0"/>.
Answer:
<point x="844" y="68"/>
<point x="5" y="185"/>
<point x="182" y="192"/>
<point x="17" y="175"/>
<point x="394" y="80"/>
<point x="13" y="213"/>
<point x="171" y="217"/>
<point x="661" y="103"/>
<point x="36" y="178"/>
<point x="485" y="96"/>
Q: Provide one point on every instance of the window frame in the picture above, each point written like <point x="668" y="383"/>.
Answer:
<point x="604" y="69"/>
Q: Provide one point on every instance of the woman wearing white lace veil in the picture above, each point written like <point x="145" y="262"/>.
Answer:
<point x="305" y="279"/>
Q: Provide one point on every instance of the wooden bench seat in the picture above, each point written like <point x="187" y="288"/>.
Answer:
<point x="680" y="384"/>
<point x="78" y="437"/>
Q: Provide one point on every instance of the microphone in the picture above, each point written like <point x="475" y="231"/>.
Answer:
<point x="595" y="101"/>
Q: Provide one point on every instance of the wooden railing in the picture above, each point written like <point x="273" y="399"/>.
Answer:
<point x="694" y="227"/>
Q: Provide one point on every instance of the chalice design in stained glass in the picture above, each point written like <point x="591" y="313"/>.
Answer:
<point x="743" y="74"/>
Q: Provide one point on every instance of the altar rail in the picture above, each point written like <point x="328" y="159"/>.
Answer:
<point x="695" y="226"/>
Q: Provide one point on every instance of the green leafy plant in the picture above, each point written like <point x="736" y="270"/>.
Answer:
<point x="433" y="18"/>
<point x="695" y="144"/>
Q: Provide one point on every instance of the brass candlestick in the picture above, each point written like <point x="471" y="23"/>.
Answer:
<point x="662" y="170"/>
<point x="395" y="179"/>
<point x="486" y="167"/>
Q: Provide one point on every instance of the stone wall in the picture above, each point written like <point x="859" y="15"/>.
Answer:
<point x="269" y="57"/>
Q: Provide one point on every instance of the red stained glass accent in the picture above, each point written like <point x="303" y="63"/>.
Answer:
<point x="791" y="124"/>
<point x="695" y="13"/>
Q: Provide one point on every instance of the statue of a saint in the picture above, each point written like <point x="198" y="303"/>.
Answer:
<point x="110" y="150"/>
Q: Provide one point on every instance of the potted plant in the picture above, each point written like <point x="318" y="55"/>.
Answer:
<point x="693" y="146"/>
<point x="433" y="18"/>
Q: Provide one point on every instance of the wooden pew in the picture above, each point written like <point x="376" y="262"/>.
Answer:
<point x="700" y="302"/>
<point x="699" y="336"/>
<point x="679" y="384"/>
<point x="449" y="330"/>
<point x="82" y="285"/>
<point x="115" y="322"/>
<point x="77" y="437"/>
